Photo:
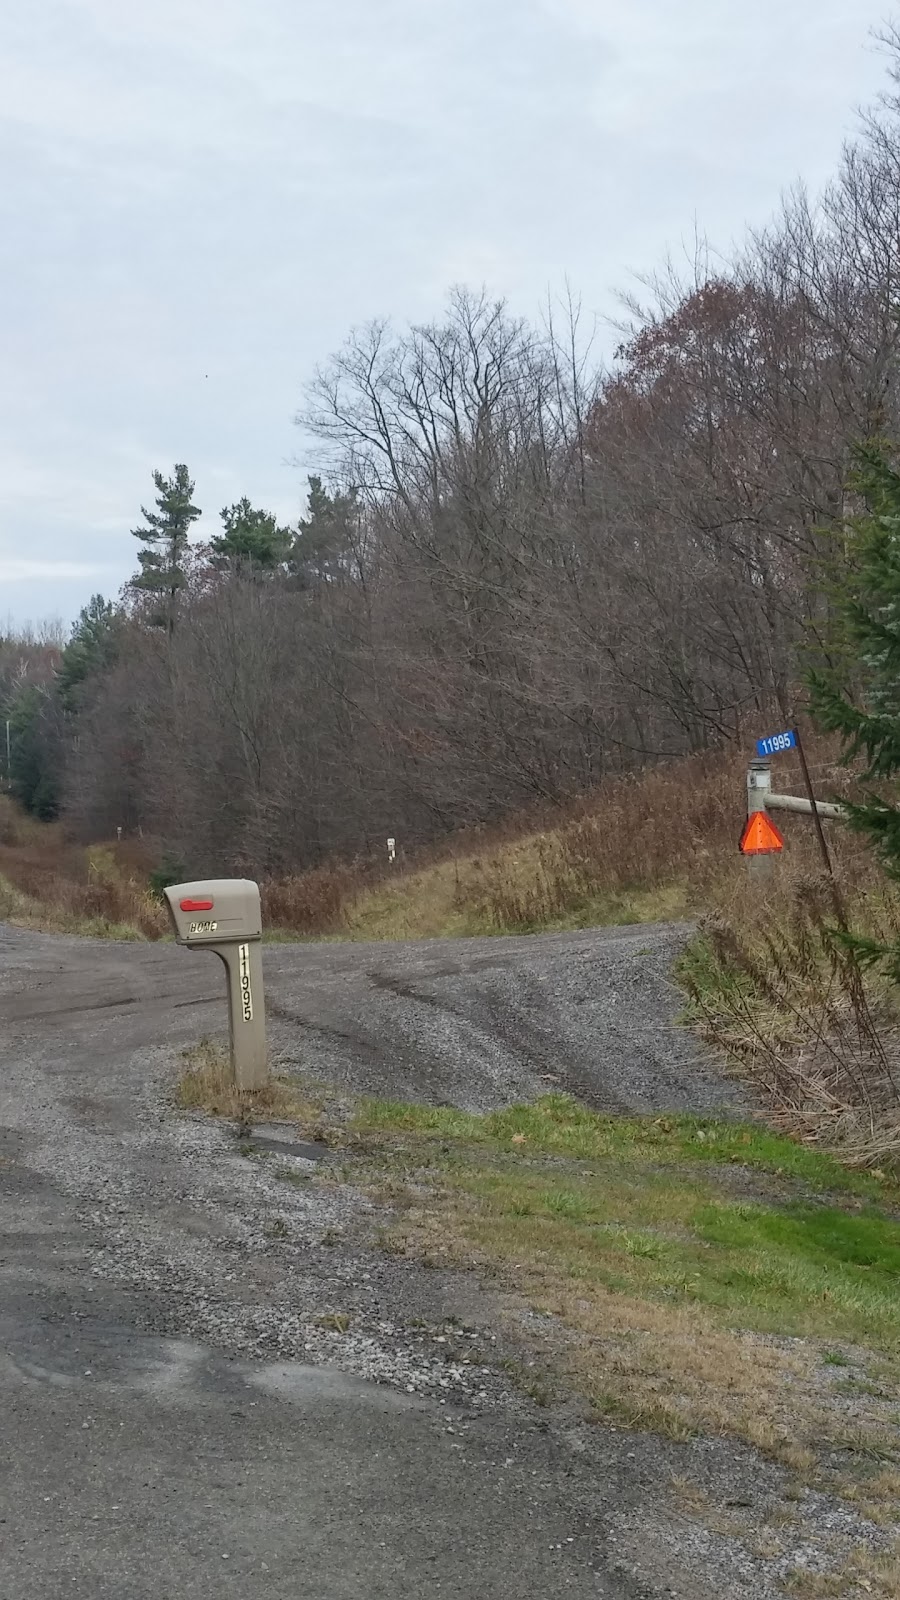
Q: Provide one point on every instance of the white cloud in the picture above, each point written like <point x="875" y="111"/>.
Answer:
<point x="201" y="196"/>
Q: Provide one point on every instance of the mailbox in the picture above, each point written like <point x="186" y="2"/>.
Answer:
<point x="215" y="912"/>
<point x="223" y="915"/>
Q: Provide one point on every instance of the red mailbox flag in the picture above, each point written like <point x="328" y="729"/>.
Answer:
<point x="760" y="837"/>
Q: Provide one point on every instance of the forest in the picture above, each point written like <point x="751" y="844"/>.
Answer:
<point x="520" y="569"/>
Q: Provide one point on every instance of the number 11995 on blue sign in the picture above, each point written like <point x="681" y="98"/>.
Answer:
<point x="776" y="742"/>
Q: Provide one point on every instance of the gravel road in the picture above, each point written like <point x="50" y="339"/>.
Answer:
<point x="215" y="1384"/>
<point x="479" y="1022"/>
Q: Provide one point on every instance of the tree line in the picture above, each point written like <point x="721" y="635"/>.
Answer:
<point x="519" y="570"/>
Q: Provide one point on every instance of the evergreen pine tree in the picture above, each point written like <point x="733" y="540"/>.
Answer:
<point x="165" y="537"/>
<point x="857" y="694"/>
<point x="36" y="757"/>
<point x="325" y="534"/>
<point x="252" y="539"/>
<point x="91" y="648"/>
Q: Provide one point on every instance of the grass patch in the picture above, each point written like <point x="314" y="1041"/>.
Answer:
<point x="205" y="1083"/>
<point x="508" y="890"/>
<point x="557" y="1125"/>
<point x="681" y="1295"/>
<point x="521" y="879"/>
<point x="335" y="1322"/>
<point x="867" y="1573"/>
<point x="691" y="1277"/>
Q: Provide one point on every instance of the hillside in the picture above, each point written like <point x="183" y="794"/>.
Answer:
<point x="658" y="846"/>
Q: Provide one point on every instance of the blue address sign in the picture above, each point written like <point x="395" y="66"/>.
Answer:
<point x="776" y="742"/>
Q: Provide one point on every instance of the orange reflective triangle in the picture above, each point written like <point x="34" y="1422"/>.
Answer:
<point x="760" y="837"/>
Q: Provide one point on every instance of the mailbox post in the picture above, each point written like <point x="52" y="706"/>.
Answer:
<point x="223" y="915"/>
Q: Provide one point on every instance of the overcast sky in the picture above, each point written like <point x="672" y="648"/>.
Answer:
<point x="200" y="197"/>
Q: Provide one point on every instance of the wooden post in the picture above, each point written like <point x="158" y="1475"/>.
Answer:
<point x="820" y="834"/>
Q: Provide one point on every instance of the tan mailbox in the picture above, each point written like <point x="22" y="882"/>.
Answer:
<point x="223" y="915"/>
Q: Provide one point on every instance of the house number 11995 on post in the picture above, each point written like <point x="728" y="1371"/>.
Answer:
<point x="776" y="742"/>
<point x="244" y="977"/>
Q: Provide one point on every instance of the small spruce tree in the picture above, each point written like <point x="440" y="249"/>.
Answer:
<point x="325" y="535"/>
<point x="90" y="649"/>
<point x="36" y="751"/>
<point x="252" y="540"/>
<point x="857" y="693"/>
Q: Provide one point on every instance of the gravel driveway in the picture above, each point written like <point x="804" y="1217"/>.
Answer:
<point x="215" y="1384"/>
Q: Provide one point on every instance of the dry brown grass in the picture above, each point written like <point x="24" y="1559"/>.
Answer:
<point x="206" y="1083"/>
<point x="48" y="882"/>
<point x="658" y="845"/>
<point x="636" y="849"/>
<point x="670" y="826"/>
<point x="820" y="1036"/>
<point x="876" y="1497"/>
<point x="314" y="902"/>
<point x="867" y="1573"/>
<point x="772" y="983"/>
